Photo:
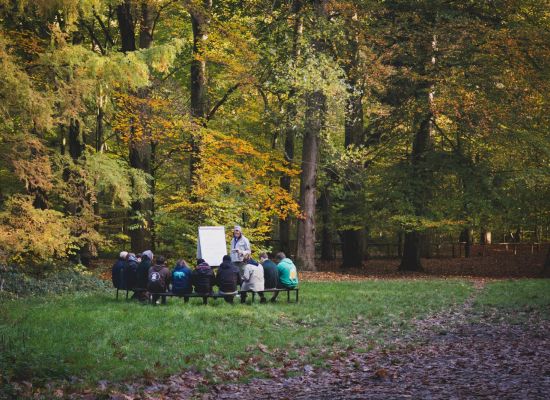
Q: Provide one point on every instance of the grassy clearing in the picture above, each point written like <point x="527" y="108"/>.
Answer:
<point x="516" y="295"/>
<point x="93" y="337"/>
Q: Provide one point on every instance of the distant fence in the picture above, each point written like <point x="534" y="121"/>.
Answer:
<point x="432" y="250"/>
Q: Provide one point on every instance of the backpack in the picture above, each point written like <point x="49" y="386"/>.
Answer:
<point x="155" y="282"/>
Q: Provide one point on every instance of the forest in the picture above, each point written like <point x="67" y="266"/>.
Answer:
<point x="313" y="124"/>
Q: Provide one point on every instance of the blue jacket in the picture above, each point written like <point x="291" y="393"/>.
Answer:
<point x="181" y="280"/>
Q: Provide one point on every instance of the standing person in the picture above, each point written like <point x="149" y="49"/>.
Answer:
<point x="159" y="279"/>
<point x="240" y="247"/>
<point x="288" y="275"/>
<point x="227" y="279"/>
<point x="203" y="279"/>
<point x="181" y="280"/>
<point x="271" y="275"/>
<point x="253" y="279"/>
<point x="117" y="272"/>
<point x="143" y="274"/>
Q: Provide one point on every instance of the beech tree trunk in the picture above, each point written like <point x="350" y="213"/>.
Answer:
<point x="139" y="147"/>
<point x="200" y="21"/>
<point x="466" y="237"/>
<point x="290" y="129"/>
<point x="327" y="242"/>
<point x="410" y="260"/>
<point x="314" y="120"/>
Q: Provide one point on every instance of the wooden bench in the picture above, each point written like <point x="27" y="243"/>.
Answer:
<point x="214" y="295"/>
<point x="130" y="290"/>
<point x="204" y="296"/>
<point x="287" y="290"/>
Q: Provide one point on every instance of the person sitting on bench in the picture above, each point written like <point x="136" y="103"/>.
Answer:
<point x="253" y="279"/>
<point x="271" y="275"/>
<point x="227" y="279"/>
<point x="288" y="275"/>
<point x="181" y="280"/>
<point x="117" y="272"/>
<point x="143" y="274"/>
<point x="159" y="279"/>
<point x="202" y="278"/>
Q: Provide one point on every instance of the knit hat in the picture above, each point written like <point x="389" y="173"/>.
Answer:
<point x="237" y="228"/>
<point x="123" y="255"/>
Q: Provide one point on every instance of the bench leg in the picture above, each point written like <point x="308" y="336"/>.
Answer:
<point x="117" y="294"/>
<point x="205" y="300"/>
<point x="297" y="290"/>
<point x="253" y="295"/>
<point x="126" y="294"/>
<point x="288" y="296"/>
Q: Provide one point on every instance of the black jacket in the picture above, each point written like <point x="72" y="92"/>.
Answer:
<point x="143" y="272"/>
<point x="117" y="274"/>
<point x="130" y="273"/>
<point x="271" y="275"/>
<point x="228" y="276"/>
<point x="203" y="278"/>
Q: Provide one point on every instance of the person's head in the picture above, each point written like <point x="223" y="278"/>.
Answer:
<point x="263" y="257"/>
<point x="200" y="261"/>
<point x="123" y="255"/>
<point x="132" y="257"/>
<point x="237" y="232"/>
<point x="181" y="263"/>
<point x="161" y="260"/>
<point x="148" y="254"/>
<point x="226" y="259"/>
<point x="247" y="257"/>
<point x="280" y="256"/>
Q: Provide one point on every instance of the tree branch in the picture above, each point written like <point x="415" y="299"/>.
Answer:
<point x="221" y="102"/>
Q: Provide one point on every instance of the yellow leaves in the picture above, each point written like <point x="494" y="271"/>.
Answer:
<point x="32" y="234"/>
<point x="31" y="164"/>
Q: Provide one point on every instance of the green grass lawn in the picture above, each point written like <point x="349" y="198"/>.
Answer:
<point x="92" y="336"/>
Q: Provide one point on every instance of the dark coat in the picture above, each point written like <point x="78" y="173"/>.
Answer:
<point x="130" y="273"/>
<point x="143" y="272"/>
<point x="164" y="280"/>
<point x="117" y="274"/>
<point x="203" y="278"/>
<point x="181" y="280"/>
<point x="271" y="275"/>
<point x="228" y="276"/>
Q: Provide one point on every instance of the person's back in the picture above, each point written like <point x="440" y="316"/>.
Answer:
<point x="203" y="278"/>
<point x="288" y="276"/>
<point x="271" y="274"/>
<point x="228" y="276"/>
<point x="159" y="277"/>
<point x="253" y="277"/>
<point x="130" y="272"/>
<point x="117" y="271"/>
<point x="143" y="269"/>
<point x="181" y="279"/>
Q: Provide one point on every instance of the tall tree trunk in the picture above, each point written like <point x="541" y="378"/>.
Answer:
<point x="76" y="141"/>
<point x="290" y="128"/>
<point x="546" y="269"/>
<point x="126" y="26"/>
<point x="421" y="176"/>
<point x="327" y="242"/>
<point x="139" y="147"/>
<point x="200" y="21"/>
<point x="485" y="236"/>
<point x="353" y="240"/>
<point x="466" y="236"/>
<point x="314" y="120"/>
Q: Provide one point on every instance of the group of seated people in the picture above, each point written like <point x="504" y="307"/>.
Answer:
<point x="143" y="276"/>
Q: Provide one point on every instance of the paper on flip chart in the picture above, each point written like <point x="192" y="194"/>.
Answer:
<point x="211" y="245"/>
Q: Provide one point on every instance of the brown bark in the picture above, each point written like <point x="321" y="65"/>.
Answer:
<point x="200" y="21"/>
<point x="466" y="236"/>
<point x="126" y="26"/>
<point x="327" y="242"/>
<point x="314" y="119"/>
<point x="290" y="129"/>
